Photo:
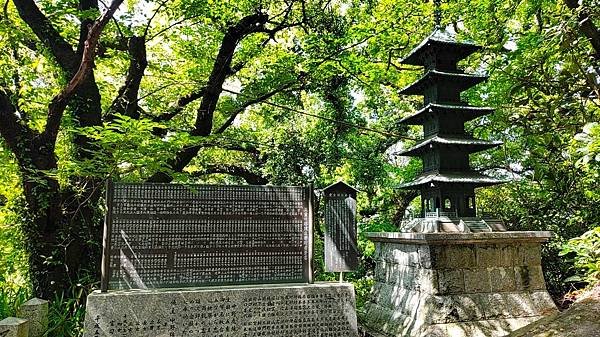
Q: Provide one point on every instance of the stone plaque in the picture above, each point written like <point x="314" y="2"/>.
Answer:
<point x="322" y="309"/>
<point x="341" y="249"/>
<point x="169" y="235"/>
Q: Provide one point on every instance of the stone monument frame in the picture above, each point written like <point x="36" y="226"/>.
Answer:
<point x="289" y="195"/>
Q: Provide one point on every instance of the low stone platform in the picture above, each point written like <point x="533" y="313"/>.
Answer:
<point x="456" y="284"/>
<point x="285" y="310"/>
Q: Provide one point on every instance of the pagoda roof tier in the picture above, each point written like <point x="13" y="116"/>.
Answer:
<point x="469" y="112"/>
<point x="461" y="81"/>
<point x="462" y="177"/>
<point x="440" y="41"/>
<point x="470" y="144"/>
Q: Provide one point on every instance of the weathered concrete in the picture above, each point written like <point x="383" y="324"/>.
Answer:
<point x="442" y="284"/>
<point x="14" y="327"/>
<point x="296" y="310"/>
<point x="36" y="312"/>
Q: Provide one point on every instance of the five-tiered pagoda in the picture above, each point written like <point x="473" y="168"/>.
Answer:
<point x="447" y="183"/>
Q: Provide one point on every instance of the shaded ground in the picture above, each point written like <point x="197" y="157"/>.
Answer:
<point x="582" y="319"/>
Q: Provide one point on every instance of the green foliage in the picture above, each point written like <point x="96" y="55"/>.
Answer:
<point x="11" y="297"/>
<point x="130" y="148"/>
<point x="585" y="252"/>
<point x="342" y="65"/>
<point x="14" y="282"/>
<point x="67" y="310"/>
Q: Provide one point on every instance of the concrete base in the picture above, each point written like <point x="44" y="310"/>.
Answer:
<point x="301" y="310"/>
<point x="456" y="284"/>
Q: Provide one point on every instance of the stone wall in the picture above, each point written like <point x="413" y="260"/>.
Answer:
<point x="456" y="287"/>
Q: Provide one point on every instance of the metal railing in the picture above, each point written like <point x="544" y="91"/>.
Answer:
<point x="438" y="213"/>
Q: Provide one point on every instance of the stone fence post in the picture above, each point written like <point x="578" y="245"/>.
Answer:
<point x="36" y="312"/>
<point x="14" y="327"/>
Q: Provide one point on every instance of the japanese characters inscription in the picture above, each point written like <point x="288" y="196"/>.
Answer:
<point x="341" y="250"/>
<point x="169" y="235"/>
<point x="247" y="312"/>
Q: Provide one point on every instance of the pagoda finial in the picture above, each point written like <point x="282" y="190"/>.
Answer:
<point x="437" y="13"/>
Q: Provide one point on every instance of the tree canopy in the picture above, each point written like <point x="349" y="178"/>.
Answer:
<point x="279" y="92"/>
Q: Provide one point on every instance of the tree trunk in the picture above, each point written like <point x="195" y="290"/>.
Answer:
<point x="43" y="219"/>
<point x="403" y="200"/>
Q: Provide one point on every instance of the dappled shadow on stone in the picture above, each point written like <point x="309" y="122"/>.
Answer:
<point x="438" y="285"/>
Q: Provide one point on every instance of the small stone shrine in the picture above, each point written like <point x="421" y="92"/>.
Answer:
<point x="213" y="261"/>
<point x="450" y="273"/>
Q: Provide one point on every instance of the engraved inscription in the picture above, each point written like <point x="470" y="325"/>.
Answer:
<point x="167" y="235"/>
<point x="249" y="313"/>
<point x="341" y="251"/>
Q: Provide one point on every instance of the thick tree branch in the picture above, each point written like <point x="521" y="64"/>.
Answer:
<point x="250" y="24"/>
<point x="126" y="102"/>
<point x="586" y="26"/>
<point x="45" y="31"/>
<point x="60" y="101"/>
<point x="86" y="23"/>
<point x="252" y="101"/>
<point x="222" y="67"/>
<point x="182" y="102"/>
<point x="237" y="171"/>
<point x="212" y="92"/>
<point x="11" y="129"/>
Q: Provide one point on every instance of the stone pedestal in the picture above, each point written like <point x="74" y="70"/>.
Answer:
<point x="456" y="284"/>
<point x="297" y="310"/>
<point x="14" y="327"/>
<point x="36" y="312"/>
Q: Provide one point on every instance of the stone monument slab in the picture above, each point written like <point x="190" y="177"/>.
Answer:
<point x="298" y="310"/>
<point x="14" y="327"/>
<point x="173" y="235"/>
<point x="341" y="248"/>
<point x="36" y="312"/>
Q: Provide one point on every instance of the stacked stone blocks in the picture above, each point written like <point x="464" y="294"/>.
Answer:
<point x="484" y="289"/>
<point x="32" y="320"/>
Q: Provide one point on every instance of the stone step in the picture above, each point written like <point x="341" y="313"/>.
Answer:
<point x="477" y="226"/>
<point x="497" y="225"/>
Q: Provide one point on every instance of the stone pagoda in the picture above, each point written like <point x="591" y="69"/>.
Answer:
<point x="447" y="183"/>
<point x="449" y="273"/>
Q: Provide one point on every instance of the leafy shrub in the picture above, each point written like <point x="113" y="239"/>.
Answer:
<point x="585" y="250"/>
<point x="11" y="297"/>
<point x="14" y="282"/>
<point x="67" y="310"/>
